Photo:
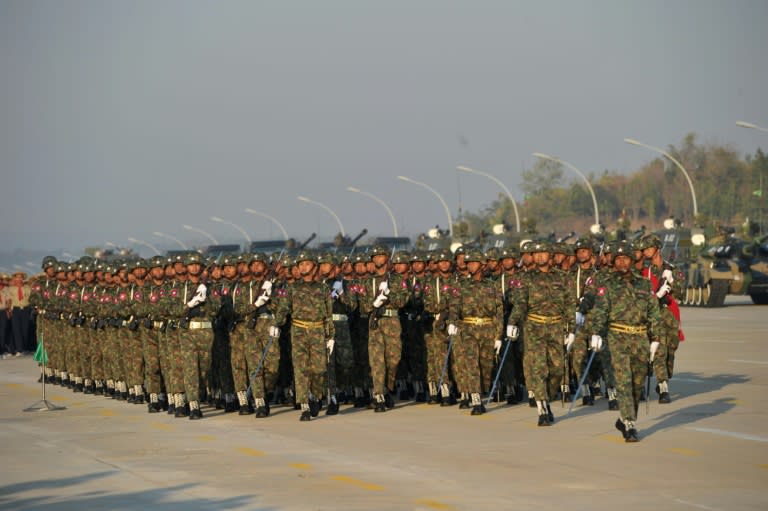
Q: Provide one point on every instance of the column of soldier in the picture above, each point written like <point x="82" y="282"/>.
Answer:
<point x="247" y="332"/>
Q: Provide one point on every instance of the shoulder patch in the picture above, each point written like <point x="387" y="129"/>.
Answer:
<point x="600" y="291"/>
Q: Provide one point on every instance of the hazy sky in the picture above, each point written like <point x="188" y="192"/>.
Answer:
<point x="118" y="119"/>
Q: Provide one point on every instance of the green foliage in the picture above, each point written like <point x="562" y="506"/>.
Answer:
<point x="729" y="190"/>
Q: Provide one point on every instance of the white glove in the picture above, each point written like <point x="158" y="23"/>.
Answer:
<point x="513" y="332"/>
<point x="453" y="329"/>
<point x="579" y="319"/>
<point x="267" y="287"/>
<point x="663" y="290"/>
<point x="667" y="275"/>
<point x="568" y="341"/>
<point x="199" y="297"/>
<point x="329" y="344"/>
<point x="338" y="289"/>
<point x="379" y="301"/>
<point x="654" y="347"/>
<point x="261" y="300"/>
<point x="274" y="331"/>
<point x="497" y="346"/>
<point x="384" y="288"/>
<point x="596" y="343"/>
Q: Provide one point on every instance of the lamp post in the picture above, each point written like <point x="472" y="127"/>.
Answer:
<point x="329" y="210"/>
<point x="240" y="229"/>
<point x="673" y="160"/>
<point x="580" y="173"/>
<point x="144" y="243"/>
<point x="268" y="217"/>
<point x="372" y="196"/>
<point x="502" y="185"/>
<point x="195" y="229"/>
<point x="749" y="125"/>
<point x="439" y="197"/>
<point x="177" y="240"/>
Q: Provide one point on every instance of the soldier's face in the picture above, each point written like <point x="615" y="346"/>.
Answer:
<point x="157" y="273"/>
<point x="306" y="267"/>
<point x="492" y="264"/>
<point x="89" y="276"/>
<point x="140" y="273"/>
<point x="418" y="267"/>
<point x="361" y="269"/>
<point x="295" y="273"/>
<point x="194" y="269"/>
<point x="229" y="271"/>
<point x="474" y="266"/>
<point x="401" y="268"/>
<point x="558" y="259"/>
<point x="50" y="271"/>
<point x="508" y="263"/>
<point x="541" y="258"/>
<point x="527" y="258"/>
<point x="258" y="268"/>
<point x="169" y="271"/>
<point x="583" y="254"/>
<point x="649" y="252"/>
<point x="444" y="266"/>
<point x="325" y="269"/>
<point x="242" y="268"/>
<point x="108" y="278"/>
<point x="215" y="272"/>
<point x="179" y="268"/>
<point x="622" y="263"/>
<point x="380" y="260"/>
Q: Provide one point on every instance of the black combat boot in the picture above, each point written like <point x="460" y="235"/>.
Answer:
<point x="333" y="407"/>
<point x="305" y="416"/>
<point x="588" y="401"/>
<point x="260" y="411"/>
<point x="631" y="436"/>
<point x="314" y="407"/>
<point x="171" y="408"/>
<point x="195" y="414"/>
<point x="248" y="409"/>
<point x="544" y="420"/>
<point x="550" y="415"/>
<point x="448" y="401"/>
<point x="389" y="401"/>
<point x="478" y="410"/>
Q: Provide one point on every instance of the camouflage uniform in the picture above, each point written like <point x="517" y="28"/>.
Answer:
<point x="477" y="309"/>
<point x="310" y="305"/>
<point x="627" y="310"/>
<point x="385" y="345"/>
<point x="544" y="302"/>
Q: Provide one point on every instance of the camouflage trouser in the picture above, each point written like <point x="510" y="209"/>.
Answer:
<point x="150" y="347"/>
<point x="606" y="366"/>
<point x="436" y="343"/>
<point x="308" y="352"/>
<point x="285" y="375"/>
<point x="133" y="359"/>
<point x="221" y="365"/>
<point x="474" y="357"/>
<point x="414" y="350"/>
<point x="75" y="351"/>
<point x="175" y="371"/>
<point x="163" y="352"/>
<point x="664" y="360"/>
<point x="255" y="349"/>
<point x="385" y="348"/>
<point x="49" y="332"/>
<point x="195" y="358"/>
<point x="113" y="353"/>
<point x="239" y="366"/>
<point x="512" y="370"/>
<point x="543" y="356"/>
<point x="342" y="359"/>
<point x="98" y="338"/>
<point x="629" y="356"/>
<point x="358" y="332"/>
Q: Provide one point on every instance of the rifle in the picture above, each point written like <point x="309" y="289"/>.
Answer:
<point x="307" y="241"/>
<point x="581" y="382"/>
<point x="648" y="388"/>
<point x="252" y="376"/>
<point x="498" y="372"/>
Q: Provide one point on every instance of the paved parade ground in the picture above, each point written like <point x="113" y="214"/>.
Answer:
<point x="706" y="450"/>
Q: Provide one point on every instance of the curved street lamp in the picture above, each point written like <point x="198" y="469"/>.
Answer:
<point x="144" y="243"/>
<point x="329" y="210"/>
<point x="177" y="240"/>
<point x="195" y="229"/>
<point x="498" y="182"/>
<point x="439" y="197"/>
<point x="679" y="165"/>
<point x="268" y="217"/>
<point x="580" y="173"/>
<point x="372" y="196"/>
<point x="240" y="229"/>
<point x="749" y="125"/>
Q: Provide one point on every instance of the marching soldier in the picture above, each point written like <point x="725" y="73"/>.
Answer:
<point x="666" y="282"/>
<point x="627" y="310"/>
<point x="312" y="332"/>
<point x="476" y="318"/>
<point x="542" y="304"/>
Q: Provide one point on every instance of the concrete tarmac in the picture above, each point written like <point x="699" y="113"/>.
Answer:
<point x="707" y="450"/>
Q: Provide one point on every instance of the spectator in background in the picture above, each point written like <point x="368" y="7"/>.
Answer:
<point x="17" y="301"/>
<point x="5" y="323"/>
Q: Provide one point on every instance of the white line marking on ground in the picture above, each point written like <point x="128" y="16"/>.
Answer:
<point x="700" y="506"/>
<point x="748" y="361"/>
<point x="742" y="436"/>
